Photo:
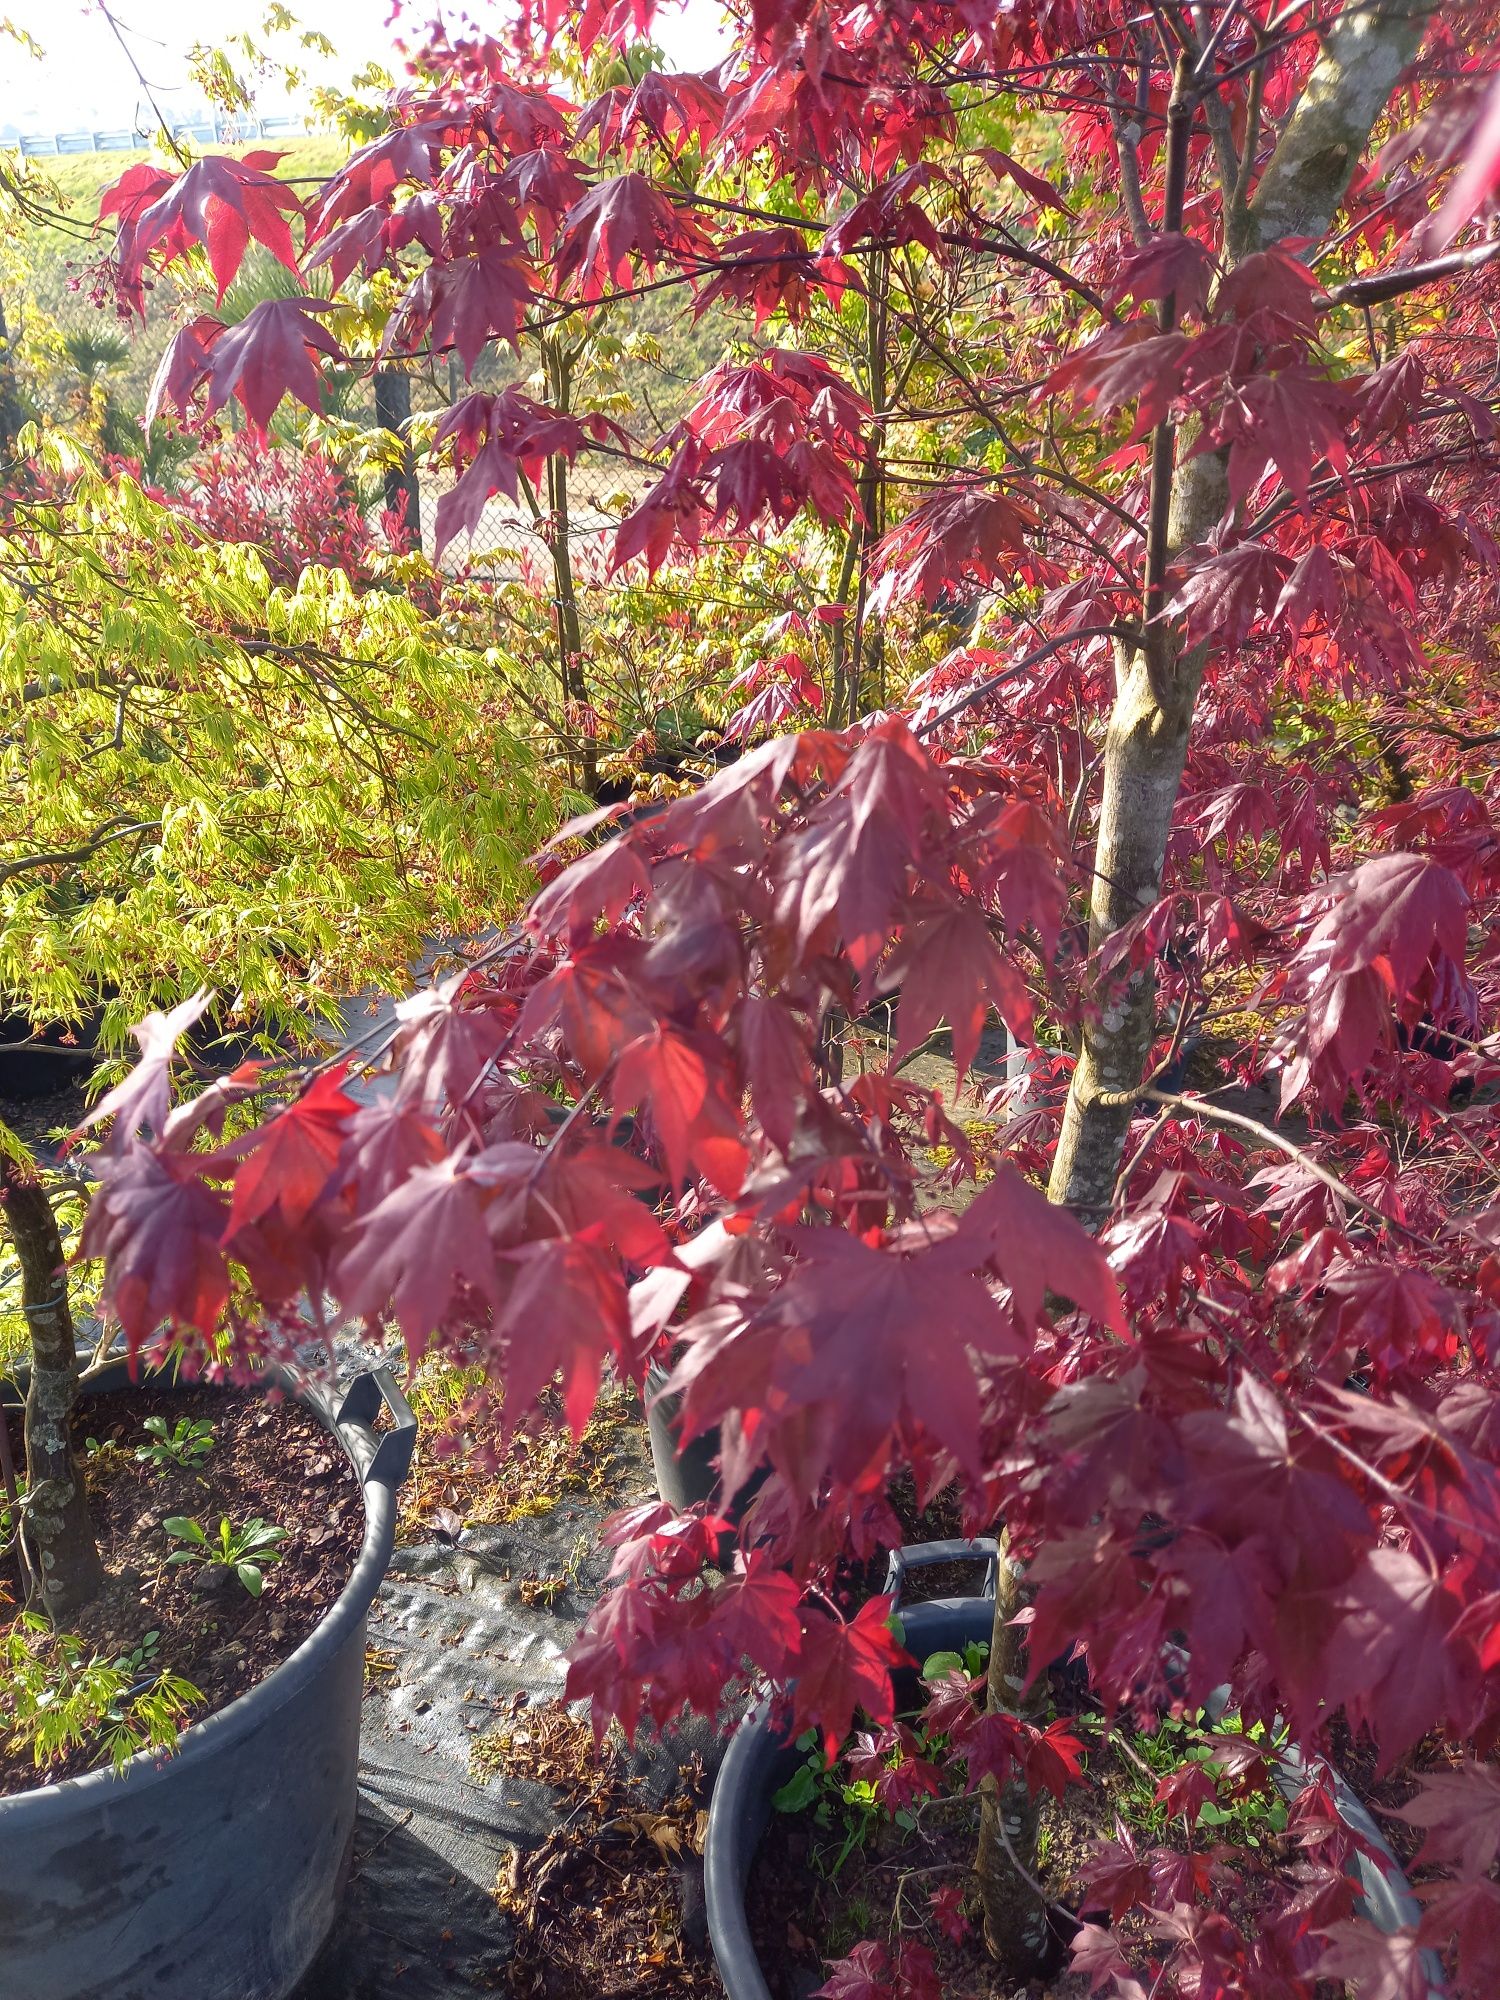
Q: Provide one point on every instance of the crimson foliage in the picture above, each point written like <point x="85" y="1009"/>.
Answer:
<point x="1253" y="1416"/>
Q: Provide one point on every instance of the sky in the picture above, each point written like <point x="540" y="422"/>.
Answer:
<point x="87" y="80"/>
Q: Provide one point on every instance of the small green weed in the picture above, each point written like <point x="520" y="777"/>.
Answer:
<point x="1243" y="1812"/>
<point x="970" y="1661"/>
<point x="247" y="1551"/>
<point x="849" y="1809"/>
<point x="185" y="1445"/>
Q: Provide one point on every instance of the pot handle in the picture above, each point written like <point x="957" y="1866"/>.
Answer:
<point x="390" y="1461"/>
<point x="922" y="1555"/>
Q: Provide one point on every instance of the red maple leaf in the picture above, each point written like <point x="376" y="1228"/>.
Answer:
<point x="671" y="512"/>
<point x="754" y="1614"/>
<point x="1290" y="420"/>
<point x="991" y="1746"/>
<point x="952" y="969"/>
<point x="1051" y="1759"/>
<point x="619" y="1632"/>
<point x="1225" y="594"/>
<point x="619" y="220"/>
<point x="220" y="202"/>
<point x="1390" y="1657"/>
<point x="143" y="1097"/>
<point x="288" y="1161"/>
<point x="464" y="303"/>
<point x="387" y="1138"/>
<point x="947" y="1906"/>
<point x="846" y="1667"/>
<point x="1186" y="1791"/>
<point x="1114" y="1877"/>
<point x="1041" y="191"/>
<point x="1128" y="364"/>
<point x="864" y="1975"/>
<point x="776" y="1061"/>
<point x="773" y="269"/>
<point x="1459" y="1811"/>
<point x="159" y="1229"/>
<point x="1096" y="1952"/>
<point x="1035" y="1247"/>
<point x="267" y="356"/>
<point x="566" y="1311"/>
<point x="1169" y="265"/>
<point x="1394" y="911"/>
<point x="1468" y="1914"/>
<point x="368" y="178"/>
<point x="410" y="1252"/>
<point x="868" y="1339"/>
<point x="447" y="1039"/>
<point x="1384" y="1966"/>
<point x="689" y="1095"/>
<point x="670" y="110"/>
<point x="492" y="440"/>
<point x="966" y="533"/>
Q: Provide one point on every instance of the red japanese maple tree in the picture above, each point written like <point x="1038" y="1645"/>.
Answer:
<point x="1199" y="392"/>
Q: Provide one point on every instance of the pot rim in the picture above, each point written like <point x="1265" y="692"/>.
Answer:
<point x="381" y="1464"/>
<point x="1385" y="1894"/>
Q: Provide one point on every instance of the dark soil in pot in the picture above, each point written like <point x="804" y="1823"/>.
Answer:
<point x="270" y="1459"/>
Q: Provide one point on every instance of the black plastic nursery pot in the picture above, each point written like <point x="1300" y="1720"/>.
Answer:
<point x="761" y="1758"/>
<point x="685" y="1473"/>
<point x="214" y="1874"/>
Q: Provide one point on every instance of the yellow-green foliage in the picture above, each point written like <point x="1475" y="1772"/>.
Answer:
<point x="279" y="794"/>
<point x="57" y="1697"/>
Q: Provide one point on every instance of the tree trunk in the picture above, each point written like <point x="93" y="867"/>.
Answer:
<point x="1144" y="754"/>
<point x="57" y="1517"/>
<point x="1016" y="1930"/>
<point x="560" y="530"/>
<point x="1146" y="745"/>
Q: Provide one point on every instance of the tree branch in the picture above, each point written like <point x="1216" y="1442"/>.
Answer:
<point x="119" y="828"/>
<point x="1379" y="286"/>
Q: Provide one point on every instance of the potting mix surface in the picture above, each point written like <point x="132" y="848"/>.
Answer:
<point x="266" y="1459"/>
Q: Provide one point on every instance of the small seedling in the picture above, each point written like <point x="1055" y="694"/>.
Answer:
<point x="56" y="1697"/>
<point x="247" y="1551"/>
<point x="185" y="1445"/>
<point x="140" y="1659"/>
<point x="970" y="1661"/>
<point x="847" y="1810"/>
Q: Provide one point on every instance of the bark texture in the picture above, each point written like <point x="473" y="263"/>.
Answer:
<point x="1016" y="1930"/>
<point x="61" y="1537"/>
<point x="1146" y="745"/>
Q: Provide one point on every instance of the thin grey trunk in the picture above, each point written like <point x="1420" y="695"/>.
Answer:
<point x="1145" y="750"/>
<point x="61" y="1537"/>
<point x="1146" y="745"/>
<point x="1016" y="1930"/>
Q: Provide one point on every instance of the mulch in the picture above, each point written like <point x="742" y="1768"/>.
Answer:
<point x="272" y="1459"/>
<point x="611" y="1903"/>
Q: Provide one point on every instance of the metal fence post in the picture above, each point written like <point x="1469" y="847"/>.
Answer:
<point x="393" y="413"/>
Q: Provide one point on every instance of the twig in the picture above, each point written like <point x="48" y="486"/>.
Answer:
<point x="29" y="1578"/>
<point x="1032" y="659"/>
<point x="1379" y="286"/>
<point x="1199" y="1107"/>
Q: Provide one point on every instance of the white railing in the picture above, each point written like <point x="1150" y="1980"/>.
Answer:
<point x="202" y="131"/>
